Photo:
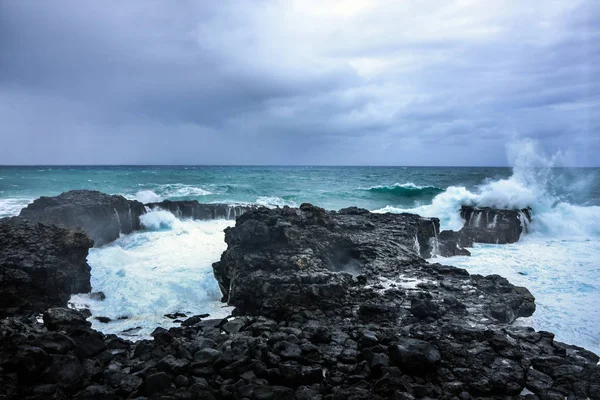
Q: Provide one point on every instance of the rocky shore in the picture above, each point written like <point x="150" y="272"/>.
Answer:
<point x="328" y="305"/>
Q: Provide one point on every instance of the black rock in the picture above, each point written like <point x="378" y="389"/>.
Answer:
<point x="103" y="217"/>
<point x="488" y="225"/>
<point x="194" y="210"/>
<point x="175" y="315"/>
<point x="173" y="365"/>
<point x="414" y="355"/>
<point x="206" y="356"/>
<point x="40" y="266"/>
<point x="65" y="319"/>
<point x="156" y="383"/>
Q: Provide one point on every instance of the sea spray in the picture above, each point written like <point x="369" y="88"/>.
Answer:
<point x="533" y="184"/>
<point x="416" y="245"/>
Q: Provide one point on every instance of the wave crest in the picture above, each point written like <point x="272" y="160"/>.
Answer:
<point x="408" y="189"/>
<point x="535" y="183"/>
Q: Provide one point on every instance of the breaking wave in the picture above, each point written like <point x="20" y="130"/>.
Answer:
<point x="535" y="182"/>
<point x="408" y="189"/>
<point x="10" y="207"/>
<point x="170" y="191"/>
<point x="272" y="201"/>
<point x="164" y="269"/>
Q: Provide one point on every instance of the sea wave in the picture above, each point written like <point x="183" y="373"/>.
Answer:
<point x="169" y="192"/>
<point x="533" y="184"/>
<point x="164" y="269"/>
<point x="12" y="207"/>
<point x="407" y="189"/>
<point x="273" y="201"/>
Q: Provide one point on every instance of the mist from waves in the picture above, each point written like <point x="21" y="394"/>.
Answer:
<point x="536" y="183"/>
<point x="557" y="260"/>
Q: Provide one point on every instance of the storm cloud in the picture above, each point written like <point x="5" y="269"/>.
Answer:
<point x="296" y="82"/>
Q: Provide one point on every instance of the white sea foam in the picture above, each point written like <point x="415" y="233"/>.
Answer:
<point x="147" y="196"/>
<point x="160" y="219"/>
<point x="154" y="272"/>
<point x="181" y="190"/>
<point x="531" y="185"/>
<point x="557" y="260"/>
<point x="561" y="274"/>
<point x="272" y="202"/>
<point x="169" y="191"/>
<point x="407" y="185"/>
<point x="12" y="207"/>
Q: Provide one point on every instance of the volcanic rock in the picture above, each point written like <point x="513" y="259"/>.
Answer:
<point x="488" y="225"/>
<point x="103" y="217"/>
<point x="195" y="210"/>
<point x="40" y="266"/>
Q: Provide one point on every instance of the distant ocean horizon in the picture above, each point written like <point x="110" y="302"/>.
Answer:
<point x="167" y="267"/>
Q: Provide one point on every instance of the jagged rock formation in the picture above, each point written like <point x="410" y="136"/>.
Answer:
<point x="261" y="358"/>
<point x="330" y="305"/>
<point x="288" y="260"/>
<point x="40" y="265"/>
<point x="293" y="257"/>
<point x="488" y="225"/>
<point x="103" y="217"/>
<point x="484" y="225"/>
<point x="193" y="209"/>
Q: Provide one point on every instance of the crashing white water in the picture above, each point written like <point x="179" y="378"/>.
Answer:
<point x="168" y="191"/>
<point x="11" y="207"/>
<point x="557" y="258"/>
<point x="531" y="185"/>
<point x="165" y="269"/>
<point x="560" y="273"/>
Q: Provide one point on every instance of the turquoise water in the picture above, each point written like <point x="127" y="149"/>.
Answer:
<point x="328" y="187"/>
<point x="167" y="267"/>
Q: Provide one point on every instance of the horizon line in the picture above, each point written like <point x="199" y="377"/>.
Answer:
<point x="275" y="165"/>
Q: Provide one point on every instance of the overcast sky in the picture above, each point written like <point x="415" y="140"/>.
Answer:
<point x="297" y="82"/>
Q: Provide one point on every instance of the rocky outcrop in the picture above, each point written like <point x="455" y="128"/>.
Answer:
<point x="194" y="210"/>
<point x="451" y="243"/>
<point x="103" y="217"/>
<point x="288" y="260"/>
<point x="329" y="305"/>
<point x="484" y="225"/>
<point x="309" y="257"/>
<point x="261" y="358"/>
<point x="40" y="266"/>
<point x="489" y="225"/>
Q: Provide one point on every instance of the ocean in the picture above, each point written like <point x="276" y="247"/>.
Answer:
<point x="167" y="267"/>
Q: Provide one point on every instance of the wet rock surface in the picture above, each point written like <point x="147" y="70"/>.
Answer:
<point x="329" y="305"/>
<point x="103" y="217"/>
<point x="483" y="225"/>
<point x="195" y="210"/>
<point x="40" y="266"/>
<point x="311" y="358"/>
<point x="488" y="225"/>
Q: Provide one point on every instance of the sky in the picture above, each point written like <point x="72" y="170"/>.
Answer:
<point x="323" y="82"/>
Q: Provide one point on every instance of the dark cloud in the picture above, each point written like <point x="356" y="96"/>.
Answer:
<point x="270" y="82"/>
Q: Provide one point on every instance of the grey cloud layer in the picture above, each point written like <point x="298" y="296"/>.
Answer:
<point x="287" y="82"/>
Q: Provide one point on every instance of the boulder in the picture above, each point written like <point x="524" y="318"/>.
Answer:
<point x="40" y="266"/>
<point x="64" y="319"/>
<point x="489" y="225"/>
<point x="414" y="355"/>
<point x="103" y="217"/>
